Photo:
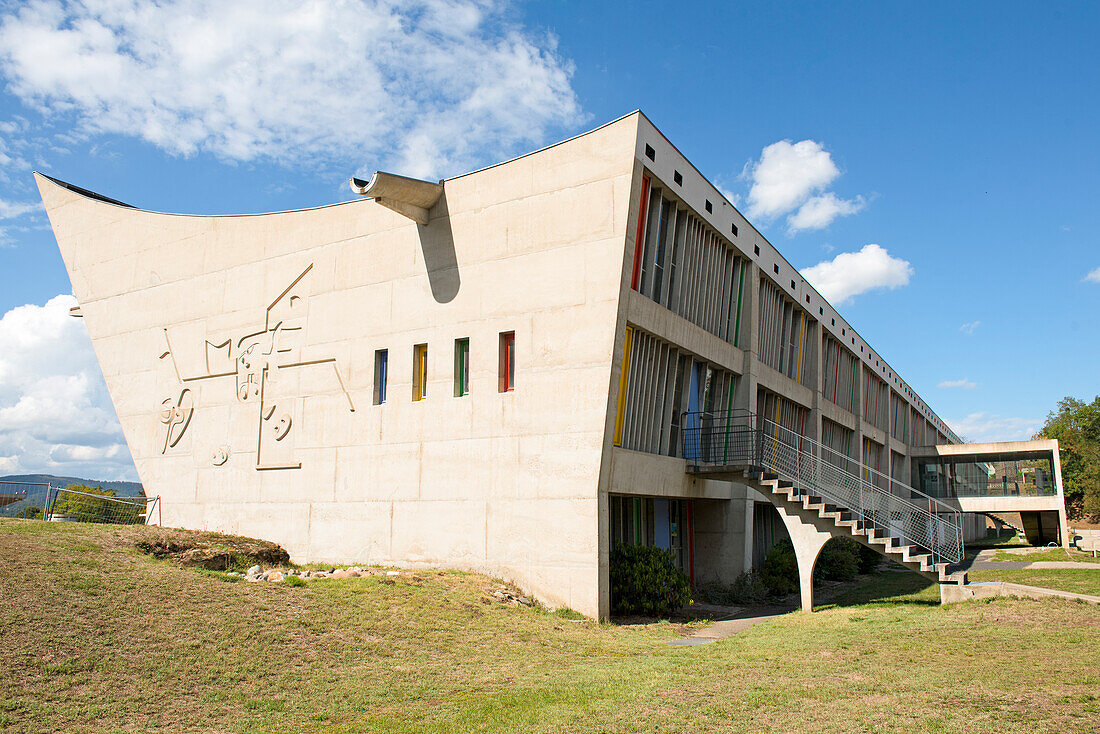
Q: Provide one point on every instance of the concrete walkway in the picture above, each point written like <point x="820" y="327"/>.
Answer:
<point x="984" y="561"/>
<point x="732" y="623"/>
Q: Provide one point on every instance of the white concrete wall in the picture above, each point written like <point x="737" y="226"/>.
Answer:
<point x="502" y="483"/>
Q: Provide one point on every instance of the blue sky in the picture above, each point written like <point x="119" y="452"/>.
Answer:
<point x="960" y="138"/>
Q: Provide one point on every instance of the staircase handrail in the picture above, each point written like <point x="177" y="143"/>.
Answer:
<point x="951" y="548"/>
<point x="946" y="508"/>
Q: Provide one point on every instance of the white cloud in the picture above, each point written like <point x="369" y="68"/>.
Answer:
<point x="964" y="383"/>
<point x="55" y="414"/>
<point x="819" y="211"/>
<point x="793" y="177"/>
<point x="969" y="327"/>
<point x="427" y="87"/>
<point x="983" y="427"/>
<point x="13" y="209"/>
<point x="851" y="273"/>
<point x="1093" y="276"/>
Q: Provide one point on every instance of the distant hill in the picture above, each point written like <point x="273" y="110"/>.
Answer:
<point x="36" y="495"/>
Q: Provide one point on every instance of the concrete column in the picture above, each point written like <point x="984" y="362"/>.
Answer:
<point x="1063" y="521"/>
<point x="750" y="528"/>
<point x="808" y="542"/>
<point x="719" y="541"/>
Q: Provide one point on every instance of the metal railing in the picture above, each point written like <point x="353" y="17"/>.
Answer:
<point x="70" y="505"/>
<point x="740" y="439"/>
<point x="42" y="501"/>
<point x="22" y="499"/>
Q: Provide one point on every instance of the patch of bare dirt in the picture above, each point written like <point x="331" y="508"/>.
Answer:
<point x="209" y="551"/>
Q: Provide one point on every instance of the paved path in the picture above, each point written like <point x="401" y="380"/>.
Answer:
<point x="984" y="561"/>
<point x="740" y="621"/>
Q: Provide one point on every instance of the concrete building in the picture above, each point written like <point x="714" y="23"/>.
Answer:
<point x="507" y="371"/>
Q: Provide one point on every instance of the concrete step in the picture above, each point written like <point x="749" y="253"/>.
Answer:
<point x="924" y="559"/>
<point x="904" y="550"/>
<point x="844" y="520"/>
<point x="959" y="577"/>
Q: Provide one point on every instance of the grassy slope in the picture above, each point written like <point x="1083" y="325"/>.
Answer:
<point x="100" y="638"/>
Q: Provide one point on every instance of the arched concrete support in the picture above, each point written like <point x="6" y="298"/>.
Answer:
<point x="808" y="542"/>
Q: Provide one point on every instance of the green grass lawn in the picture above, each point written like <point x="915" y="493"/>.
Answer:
<point x="98" y="637"/>
<point x="1045" y="554"/>
<point x="1080" y="581"/>
<point x="992" y="540"/>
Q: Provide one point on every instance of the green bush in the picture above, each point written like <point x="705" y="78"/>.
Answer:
<point x="838" y="561"/>
<point x="868" y="559"/>
<point x="841" y="560"/>
<point x="780" y="569"/>
<point x="645" y="581"/>
<point x="748" y="588"/>
<point x="30" y="512"/>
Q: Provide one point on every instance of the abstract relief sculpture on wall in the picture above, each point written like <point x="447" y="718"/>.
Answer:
<point x="176" y="414"/>
<point x="261" y="363"/>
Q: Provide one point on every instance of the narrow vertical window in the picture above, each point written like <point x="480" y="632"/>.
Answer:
<point x="462" y="367"/>
<point x="381" y="368"/>
<point x="420" y="371"/>
<point x="621" y="410"/>
<point x="507" y="377"/>
<point x="640" y="235"/>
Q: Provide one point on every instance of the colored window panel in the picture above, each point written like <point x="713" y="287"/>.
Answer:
<point x="462" y="367"/>
<point x="621" y="410"/>
<point x="507" y="377"/>
<point x="420" y="371"/>
<point x="381" y="370"/>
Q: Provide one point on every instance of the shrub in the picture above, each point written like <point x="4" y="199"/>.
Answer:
<point x="780" y="570"/>
<point x="294" y="581"/>
<point x="868" y="559"/>
<point x="645" y="581"/>
<point x="838" y="561"/>
<point x="748" y="588"/>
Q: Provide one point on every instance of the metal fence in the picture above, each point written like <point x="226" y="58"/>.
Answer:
<point x="741" y="439"/>
<point x="22" y="499"/>
<point x="56" y="504"/>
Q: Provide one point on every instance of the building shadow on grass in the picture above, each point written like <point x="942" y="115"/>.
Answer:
<point x="891" y="585"/>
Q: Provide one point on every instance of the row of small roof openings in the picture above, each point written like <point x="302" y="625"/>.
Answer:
<point x="678" y="179"/>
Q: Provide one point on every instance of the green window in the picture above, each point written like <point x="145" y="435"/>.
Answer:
<point x="462" y="367"/>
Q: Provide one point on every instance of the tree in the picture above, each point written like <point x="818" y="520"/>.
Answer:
<point x="1076" y="426"/>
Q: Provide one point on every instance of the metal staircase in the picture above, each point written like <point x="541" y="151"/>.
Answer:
<point x="827" y="489"/>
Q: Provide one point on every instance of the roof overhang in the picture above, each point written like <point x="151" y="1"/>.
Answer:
<point x="997" y="451"/>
